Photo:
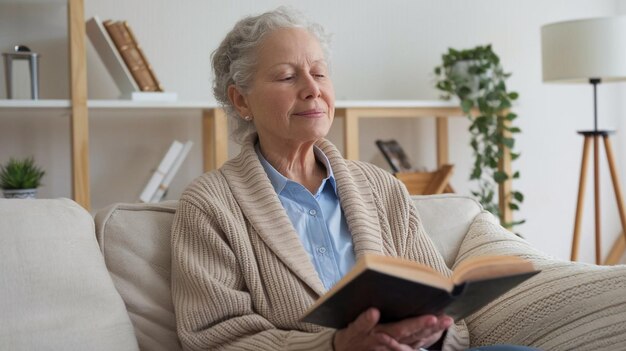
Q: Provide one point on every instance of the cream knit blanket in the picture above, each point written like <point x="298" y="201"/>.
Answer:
<point x="568" y="306"/>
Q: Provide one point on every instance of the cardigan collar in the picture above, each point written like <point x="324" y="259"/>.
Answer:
<point x="260" y="204"/>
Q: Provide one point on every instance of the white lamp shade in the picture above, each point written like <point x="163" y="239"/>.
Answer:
<point x="575" y="51"/>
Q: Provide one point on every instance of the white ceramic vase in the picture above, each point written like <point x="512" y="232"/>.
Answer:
<point x="20" y="193"/>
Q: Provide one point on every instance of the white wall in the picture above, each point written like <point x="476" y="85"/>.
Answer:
<point x="381" y="50"/>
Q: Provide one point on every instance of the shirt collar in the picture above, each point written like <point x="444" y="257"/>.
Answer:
<point x="279" y="181"/>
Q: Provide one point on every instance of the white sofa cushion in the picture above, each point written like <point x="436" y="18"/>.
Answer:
<point x="135" y="242"/>
<point x="447" y="218"/>
<point x="55" y="291"/>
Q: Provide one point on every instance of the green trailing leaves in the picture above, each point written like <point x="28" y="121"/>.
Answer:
<point x="476" y="77"/>
<point x="500" y="176"/>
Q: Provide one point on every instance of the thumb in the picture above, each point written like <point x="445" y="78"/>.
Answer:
<point x="366" y="320"/>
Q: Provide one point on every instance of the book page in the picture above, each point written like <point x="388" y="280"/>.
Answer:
<point x="486" y="267"/>
<point x="409" y="270"/>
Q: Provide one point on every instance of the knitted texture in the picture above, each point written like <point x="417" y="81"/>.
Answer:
<point x="568" y="306"/>
<point x="241" y="279"/>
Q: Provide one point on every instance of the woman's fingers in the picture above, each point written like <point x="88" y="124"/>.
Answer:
<point x="359" y="334"/>
<point x="366" y="321"/>
<point x="365" y="332"/>
<point x="419" y="330"/>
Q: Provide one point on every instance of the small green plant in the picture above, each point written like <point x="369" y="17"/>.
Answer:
<point x="20" y="174"/>
<point x="477" y="78"/>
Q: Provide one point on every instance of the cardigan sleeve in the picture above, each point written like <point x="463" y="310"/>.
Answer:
<point x="213" y="307"/>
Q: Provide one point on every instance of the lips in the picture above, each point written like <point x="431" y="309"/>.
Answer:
<point x="311" y="113"/>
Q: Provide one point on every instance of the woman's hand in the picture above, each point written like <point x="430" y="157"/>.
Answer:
<point x="366" y="334"/>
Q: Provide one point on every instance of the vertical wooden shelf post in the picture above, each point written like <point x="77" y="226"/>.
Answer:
<point x="79" y="115"/>
<point x="442" y="140"/>
<point x="504" y="188"/>
<point x="215" y="138"/>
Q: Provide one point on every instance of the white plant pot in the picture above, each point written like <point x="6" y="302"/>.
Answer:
<point x="20" y="193"/>
<point x="461" y="70"/>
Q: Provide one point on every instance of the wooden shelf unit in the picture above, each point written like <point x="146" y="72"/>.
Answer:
<point x="214" y="122"/>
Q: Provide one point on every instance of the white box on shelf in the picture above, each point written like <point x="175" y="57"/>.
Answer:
<point x="167" y="180"/>
<point x="111" y="58"/>
<point x="164" y="167"/>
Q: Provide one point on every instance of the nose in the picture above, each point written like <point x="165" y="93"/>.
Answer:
<point x="310" y="88"/>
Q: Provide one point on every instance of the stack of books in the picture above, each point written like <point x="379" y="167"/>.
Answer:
<point x="123" y="57"/>
<point x="162" y="177"/>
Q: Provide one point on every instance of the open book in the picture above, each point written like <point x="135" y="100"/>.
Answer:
<point x="402" y="289"/>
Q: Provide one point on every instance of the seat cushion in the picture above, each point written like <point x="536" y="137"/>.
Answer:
<point x="55" y="291"/>
<point x="135" y="242"/>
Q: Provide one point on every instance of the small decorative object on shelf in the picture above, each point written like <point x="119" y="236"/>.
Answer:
<point x="395" y="155"/>
<point x="22" y="52"/>
<point x="20" y="179"/>
<point x="477" y="78"/>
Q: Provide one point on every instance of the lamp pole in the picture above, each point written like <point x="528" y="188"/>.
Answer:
<point x="595" y="82"/>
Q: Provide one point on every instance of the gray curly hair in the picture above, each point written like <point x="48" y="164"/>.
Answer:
<point x="234" y="61"/>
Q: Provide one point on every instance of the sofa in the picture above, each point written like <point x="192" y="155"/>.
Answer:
<point x="73" y="281"/>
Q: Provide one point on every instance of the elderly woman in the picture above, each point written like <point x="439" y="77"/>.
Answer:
<point x="256" y="242"/>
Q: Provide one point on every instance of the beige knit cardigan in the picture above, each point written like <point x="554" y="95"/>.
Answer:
<point x="241" y="279"/>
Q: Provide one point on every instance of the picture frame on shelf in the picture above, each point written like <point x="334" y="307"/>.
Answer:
<point x="395" y="155"/>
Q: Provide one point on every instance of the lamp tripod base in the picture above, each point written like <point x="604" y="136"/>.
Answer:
<point x="595" y="136"/>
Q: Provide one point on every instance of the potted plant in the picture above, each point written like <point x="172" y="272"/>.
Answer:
<point x="20" y="178"/>
<point x="476" y="77"/>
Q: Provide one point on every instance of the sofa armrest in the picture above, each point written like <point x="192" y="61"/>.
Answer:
<point x="446" y="218"/>
<point x="55" y="291"/>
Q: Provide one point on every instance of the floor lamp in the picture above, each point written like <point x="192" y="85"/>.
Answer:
<point x="588" y="51"/>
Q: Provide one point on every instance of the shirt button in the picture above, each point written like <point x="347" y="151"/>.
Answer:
<point x="312" y="212"/>
<point x="321" y="250"/>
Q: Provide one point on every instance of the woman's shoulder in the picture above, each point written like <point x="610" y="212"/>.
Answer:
<point x="208" y="187"/>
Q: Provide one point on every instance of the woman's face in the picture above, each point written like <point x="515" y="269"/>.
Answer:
<point x="292" y="99"/>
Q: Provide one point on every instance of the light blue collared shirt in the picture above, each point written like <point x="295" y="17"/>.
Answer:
<point x="318" y="220"/>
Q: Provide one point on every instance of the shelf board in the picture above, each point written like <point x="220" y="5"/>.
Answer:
<point x="34" y="104"/>
<point x="129" y="104"/>
<point x="32" y="2"/>
<point x="394" y="103"/>
<point x="103" y="104"/>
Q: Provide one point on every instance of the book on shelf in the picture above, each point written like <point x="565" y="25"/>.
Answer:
<point x="159" y="174"/>
<point x="169" y="176"/>
<point x="112" y="59"/>
<point x="402" y="289"/>
<point x="122" y="36"/>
